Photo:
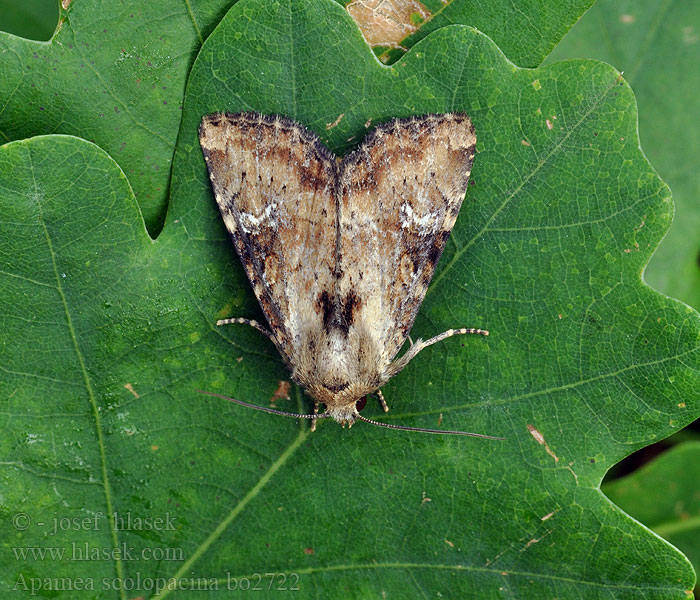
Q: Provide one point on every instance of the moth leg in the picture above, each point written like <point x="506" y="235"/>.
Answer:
<point x="382" y="401"/>
<point x="250" y="322"/>
<point x="313" y="421"/>
<point x="419" y="345"/>
<point x="449" y="333"/>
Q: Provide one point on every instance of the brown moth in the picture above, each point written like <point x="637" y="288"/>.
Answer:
<point x="340" y="251"/>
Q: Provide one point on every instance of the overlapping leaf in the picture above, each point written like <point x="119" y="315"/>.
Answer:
<point x="525" y="31"/>
<point x="113" y="73"/>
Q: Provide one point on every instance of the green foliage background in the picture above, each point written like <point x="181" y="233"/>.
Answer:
<point x="657" y="45"/>
<point x="107" y="334"/>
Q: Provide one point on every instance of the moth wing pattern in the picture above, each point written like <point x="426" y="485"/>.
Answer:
<point x="273" y="181"/>
<point x="400" y="194"/>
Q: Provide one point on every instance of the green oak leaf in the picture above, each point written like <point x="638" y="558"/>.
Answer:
<point x="113" y="73"/>
<point x="657" y="45"/>
<point x="107" y="336"/>
<point x="526" y="31"/>
<point x="664" y="496"/>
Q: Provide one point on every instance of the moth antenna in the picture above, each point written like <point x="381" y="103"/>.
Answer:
<point x="423" y="430"/>
<point x="274" y="411"/>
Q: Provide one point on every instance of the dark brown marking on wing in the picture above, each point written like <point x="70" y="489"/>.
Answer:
<point x="336" y="386"/>
<point x="338" y="313"/>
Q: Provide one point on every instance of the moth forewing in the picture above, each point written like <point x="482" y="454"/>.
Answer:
<point x="272" y="180"/>
<point x="340" y="252"/>
<point x="401" y="191"/>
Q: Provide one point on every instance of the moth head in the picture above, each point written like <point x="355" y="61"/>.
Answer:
<point x="348" y="416"/>
<point x="343" y="401"/>
<point x="346" y="413"/>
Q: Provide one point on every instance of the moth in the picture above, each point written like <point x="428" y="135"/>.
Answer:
<point x="340" y="251"/>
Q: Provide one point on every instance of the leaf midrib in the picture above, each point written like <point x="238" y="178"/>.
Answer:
<point x="86" y="379"/>
<point x="238" y="508"/>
